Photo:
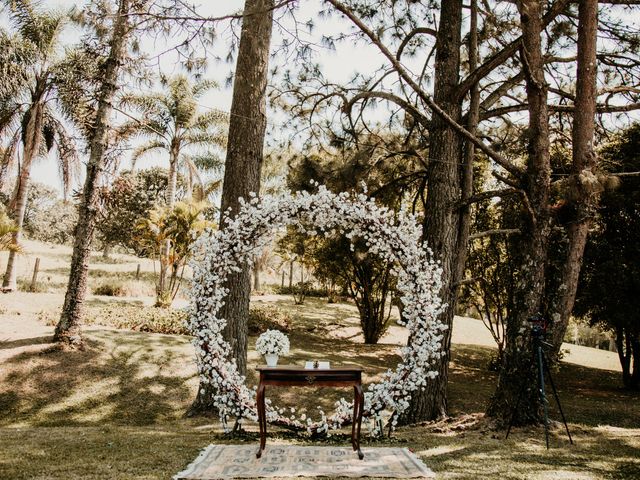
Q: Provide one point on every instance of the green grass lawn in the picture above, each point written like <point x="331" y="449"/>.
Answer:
<point x="115" y="410"/>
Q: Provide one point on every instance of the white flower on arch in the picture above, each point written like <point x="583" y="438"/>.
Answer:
<point x="392" y="237"/>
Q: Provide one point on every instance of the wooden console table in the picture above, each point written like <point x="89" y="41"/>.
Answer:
<point x="295" y="376"/>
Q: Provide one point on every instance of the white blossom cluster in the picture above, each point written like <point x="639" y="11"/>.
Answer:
<point x="394" y="237"/>
<point x="272" y="342"/>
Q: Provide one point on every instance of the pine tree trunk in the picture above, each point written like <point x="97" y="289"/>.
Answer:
<point x="247" y="126"/>
<point x="68" y="330"/>
<point x="31" y="149"/>
<point x="442" y="221"/>
<point x="256" y="277"/>
<point x="518" y="372"/>
<point x="290" y="275"/>
<point x="473" y="118"/>
<point x="635" y="352"/>
<point x="584" y="199"/>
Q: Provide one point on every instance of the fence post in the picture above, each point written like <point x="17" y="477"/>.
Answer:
<point x="138" y="272"/>
<point x="34" y="279"/>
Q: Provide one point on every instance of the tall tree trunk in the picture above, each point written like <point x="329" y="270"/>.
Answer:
<point x="290" y="275"/>
<point x="627" y="343"/>
<point x="518" y="373"/>
<point x="584" y="198"/>
<point x="68" y="330"/>
<point x="635" y="351"/>
<point x="247" y="126"/>
<point x="163" y="289"/>
<point x="473" y="118"/>
<point x="442" y="220"/>
<point x="256" y="276"/>
<point x="31" y="148"/>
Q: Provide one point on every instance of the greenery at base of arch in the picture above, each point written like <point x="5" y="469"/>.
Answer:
<point x="394" y="237"/>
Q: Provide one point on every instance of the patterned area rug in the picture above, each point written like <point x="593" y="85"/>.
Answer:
<point x="239" y="461"/>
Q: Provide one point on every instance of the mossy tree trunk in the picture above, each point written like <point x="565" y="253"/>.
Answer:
<point x="518" y="372"/>
<point x="68" y="329"/>
<point x="243" y="164"/>
<point x="584" y="197"/>
<point x="442" y="219"/>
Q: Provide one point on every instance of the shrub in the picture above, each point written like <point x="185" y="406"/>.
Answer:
<point x="130" y="288"/>
<point x="24" y="285"/>
<point x="310" y="290"/>
<point x="139" y="319"/>
<point x="268" y="317"/>
<point x="110" y="289"/>
<point x="167" y="321"/>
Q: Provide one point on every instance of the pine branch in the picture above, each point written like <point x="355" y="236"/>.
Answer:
<point x="404" y="75"/>
<point x="498" y="112"/>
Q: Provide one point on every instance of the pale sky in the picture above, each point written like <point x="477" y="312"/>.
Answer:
<point x="337" y="65"/>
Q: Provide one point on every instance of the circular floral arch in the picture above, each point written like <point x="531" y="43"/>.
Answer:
<point x="392" y="236"/>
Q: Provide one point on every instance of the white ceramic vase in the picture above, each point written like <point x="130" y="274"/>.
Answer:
<point x="271" y="359"/>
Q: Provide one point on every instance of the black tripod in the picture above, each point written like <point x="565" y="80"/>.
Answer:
<point x="538" y="331"/>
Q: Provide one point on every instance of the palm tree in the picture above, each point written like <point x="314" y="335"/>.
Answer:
<point x="31" y="122"/>
<point x="172" y="123"/>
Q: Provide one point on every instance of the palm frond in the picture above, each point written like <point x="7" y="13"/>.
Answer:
<point x="145" y="149"/>
<point x="9" y="156"/>
<point x="211" y="119"/>
<point x="134" y="128"/>
<point x="66" y="150"/>
<point x="16" y="60"/>
<point x="209" y="188"/>
<point x="207" y="161"/>
<point x="40" y="27"/>
<point x="10" y="114"/>
<point x="150" y="104"/>
<point x="192" y="173"/>
<point x="75" y="78"/>
<point x="200" y="138"/>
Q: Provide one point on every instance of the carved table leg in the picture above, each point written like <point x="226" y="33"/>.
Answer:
<point x="358" y="407"/>
<point x="262" y="420"/>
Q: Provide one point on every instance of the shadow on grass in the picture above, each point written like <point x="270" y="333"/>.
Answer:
<point x="25" y="342"/>
<point x="121" y="378"/>
<point x="597" y="453"/>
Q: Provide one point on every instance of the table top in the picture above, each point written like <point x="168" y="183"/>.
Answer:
<point x="299" y="368"/>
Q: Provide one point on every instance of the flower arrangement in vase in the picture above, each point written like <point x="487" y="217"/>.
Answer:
<point x="272" y="344"/>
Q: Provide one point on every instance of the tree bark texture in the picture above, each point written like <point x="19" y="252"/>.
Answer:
<point x="473" y="117"/>
<point x="32" y="140"/>
<point x="583" y="196"/>
<point x="442" y="220"/>
<point x="163" y="289"/>
<point x="628" y="346"/>
<point x="256" y="276"/>
<point x="68" y="331"/>
<point x="247" y="126"/>
<point x="517" y="378"/>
